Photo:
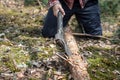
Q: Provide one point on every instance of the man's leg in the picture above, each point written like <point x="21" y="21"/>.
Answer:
<point x="50" y="25"/>
<point x="90" y="19"/>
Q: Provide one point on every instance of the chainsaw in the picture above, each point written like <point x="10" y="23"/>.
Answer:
<point x="59" y="37"/>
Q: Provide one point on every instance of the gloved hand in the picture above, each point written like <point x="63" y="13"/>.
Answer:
<point x="56" y="8"/>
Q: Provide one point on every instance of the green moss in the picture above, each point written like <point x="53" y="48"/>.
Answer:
<point x="94" y="49"/>
<point x="25" y="25"/>
<point x="102" y="66"/>
<point x="12" y="57"/>
<point x="47" y="52"/>
<point x="20" y="55"/>
<point x="8" y="61"/>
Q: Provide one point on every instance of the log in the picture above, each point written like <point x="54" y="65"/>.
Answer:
<point x="78" y="66"/>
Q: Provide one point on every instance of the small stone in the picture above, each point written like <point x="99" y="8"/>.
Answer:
<point x="7" y="75"/>
<point x="70" y="77"/>
<point x="20" y="74"/>
<point x="116" y="72"/>
<point x="60" y="77"/>
<point x="8" y="49"/>
<point x="20" y="45"/>
<point x="100" y="53"/>
<point x="46" y="52"/>
<point x="52" y="45"/>
<point x="2" y="35"/>
<point x="36" y="64"/>
<point x="57" y="73"/>
<point x="22" y="65"/>
<point x="33" y="71"/>
<point x="87" y="53"/>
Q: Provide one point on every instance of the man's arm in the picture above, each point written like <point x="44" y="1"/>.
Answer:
<point x="56" y="7"/>
<point x="53" y="2"/>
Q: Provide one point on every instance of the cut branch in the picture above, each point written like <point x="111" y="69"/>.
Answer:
<point x="90" y="36"/>
<point x="41" y="8"/>
<point x="78" y="67"/>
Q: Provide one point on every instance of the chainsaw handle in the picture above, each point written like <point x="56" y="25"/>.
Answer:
<point x="60" y="34"/>
<point x="59" y="21"/>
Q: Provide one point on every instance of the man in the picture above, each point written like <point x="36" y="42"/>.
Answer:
<point x="86" y="11"/>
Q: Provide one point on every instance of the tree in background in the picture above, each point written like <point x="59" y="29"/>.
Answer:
<point x="110" y="7"/>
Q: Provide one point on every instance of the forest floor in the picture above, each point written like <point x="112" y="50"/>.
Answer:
<point x="26" y="55"/>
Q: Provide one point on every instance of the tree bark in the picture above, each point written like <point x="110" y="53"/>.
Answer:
<point x="78" y="66"/>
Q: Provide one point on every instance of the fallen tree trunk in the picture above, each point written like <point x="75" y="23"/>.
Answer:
<point x="78" y="65"/>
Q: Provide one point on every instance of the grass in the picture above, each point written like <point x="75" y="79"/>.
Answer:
<point x="23" y="43"/>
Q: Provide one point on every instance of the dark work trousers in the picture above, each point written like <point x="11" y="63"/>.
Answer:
<point x="89" y="16"/>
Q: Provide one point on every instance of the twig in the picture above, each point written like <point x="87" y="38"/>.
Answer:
<point x="64" y="59"/>
<point x="90" y="36"/>
<point x="61" y="56"/>
<point x="40" y="4"/>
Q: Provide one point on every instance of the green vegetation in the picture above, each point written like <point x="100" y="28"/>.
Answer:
<point x="103" y="65"/>
<point x="35" y="2"/>
<point x="110" y="7"/>
<point x="21" y="43"/>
